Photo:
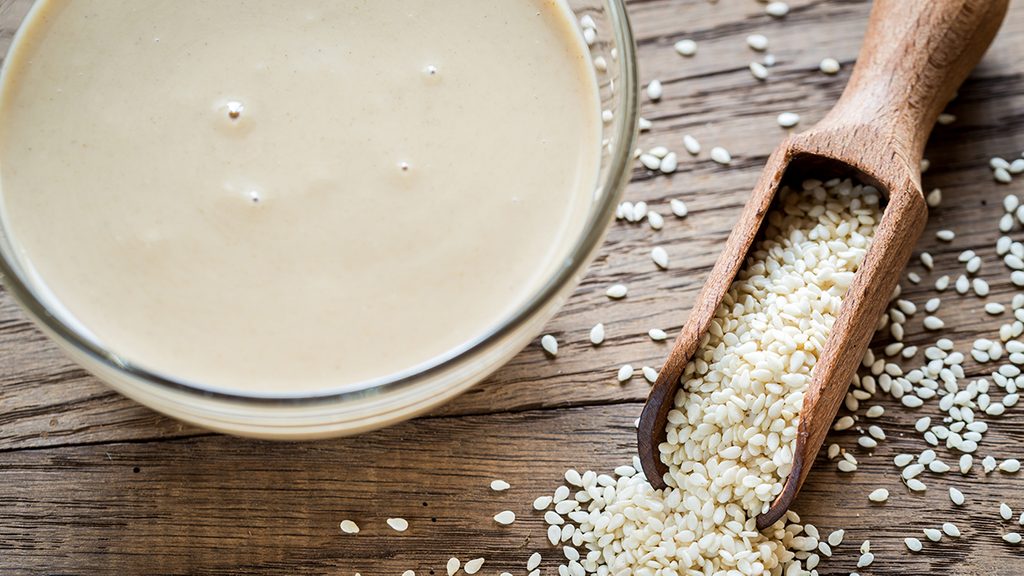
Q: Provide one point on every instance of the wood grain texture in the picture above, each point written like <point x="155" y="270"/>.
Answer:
<point x="71" y="503"/>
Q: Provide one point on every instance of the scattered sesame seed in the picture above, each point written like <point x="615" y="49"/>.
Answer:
<point x="597" y="334"/>
<point x="398" y="524"/>
<point x="654" y="90"/>
<point x="758" y="42"/>
<point x="721" y="155"/>
<point x="950" y="529"/>
<point x="550" y="344"/>
<point x="913" y="544"/>
<point x="932" y="534"/>
<point x="534" y="561"/>
<point x="686" y="47"/>
<point x="788" y="119"/>
<point x="625" y="373"/>
<point x="1005" y="511"/>
<point x="829" y="66"/>
<point x="349" y="527"/>
<point x="1012" y="537"/>
<point x="691" y="144"/>
<point x="945" y="235"/>
<point x="657" y="334"/>
<point x="504" y="518"/>
<point x="473" y="566"/>
<point x="777" y="9"/>
<point x="956" y="496"/>
<point x="760" y="71"/>
<point x="500" y="485"/>
<point x="660" y="257"/>
<point x="617" y="291"/>
<point x="679" y="208"/>
<point x="879" y="495"/>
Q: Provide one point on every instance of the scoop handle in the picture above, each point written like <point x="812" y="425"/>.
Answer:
<point x="915" y="55"/>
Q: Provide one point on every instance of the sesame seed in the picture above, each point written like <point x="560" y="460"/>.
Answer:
<point x="550" y="344"/>
<point x="654" y="90"/>
<point x="934" y="198"/>
<point x="757" y="42"/>
<point x="721" y="155"/>
<point x="597" y="334"/>
<point x="473" y="566"/>
<point x="686" y="47"/>
<point x="788" y="119"/>
<point x="349" y="527"/>
<point x="1005" y="512"/>
<point x="500" y="485"/>
<point x="542" y="502"/>
<point x="669" y="163"/>
<point x="617" y="291"/>
<point x="625" y="373"/>
<point x="777" y="9"/>
<point x="933" y="323"/>
<point x="829" y="66"/>
<point x="1011" y="466"/>
<point x="657" y="334"/>
<point x="760" y="71"/>
<point x="679" y="208"/>
<point x="879" y="495"/>
<point x="913" y="544"/>
<point x="660" y="257"/>
<point x="1012" y="537"/>
<point x="691" y="144"/>
<point x="950" y="529"/>
<point x="945" y="235"/>
<point x="504" y="518"/>
<point x="398" y="524"/>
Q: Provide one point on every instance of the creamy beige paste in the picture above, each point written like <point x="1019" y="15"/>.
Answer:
<point x="295" y="195"/>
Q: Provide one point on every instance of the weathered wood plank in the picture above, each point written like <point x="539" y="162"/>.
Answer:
<point x="218" y="505"/>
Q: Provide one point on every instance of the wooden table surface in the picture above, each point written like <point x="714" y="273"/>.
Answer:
<point x="92" y="483"/>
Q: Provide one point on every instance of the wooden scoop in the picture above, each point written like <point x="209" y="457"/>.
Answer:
<point x="915" y="55"/>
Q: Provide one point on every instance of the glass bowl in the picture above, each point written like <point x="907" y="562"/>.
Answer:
<point x="382" y="402"/>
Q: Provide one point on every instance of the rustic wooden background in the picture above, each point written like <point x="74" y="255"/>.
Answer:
<point x="91" y="483"/>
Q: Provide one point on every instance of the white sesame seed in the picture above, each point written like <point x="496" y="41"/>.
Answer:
<point x="349" y="527"/>
<point x="686" y="47"/>
<point x="933" y="323"/>
<point x="777" y="9"/>
<point x="473" y="566"/>
<point x="994" y="308"/>
<point x="829" y="66"/>
<point x="625" y="373"/>
<point x="950" y="529"/>
<point x="542" y="503"/>
<point x="691" y="144"/>
<point x="398" y="524"/>
<point x="788" y="119"/>
<point x="721" y="155"/>
<point x="554" y="535"/>
<point x="757" y="42"/>
<point x="846" y="466"/>
<point x="504" y="518"/>
<point x="1002" y="176"/>
<point x="409" y="573"/>
<point x="1011" y="466"/>
<point x="650" y="374"/>
<point x="650" y="161"/>
<point x="669" y="163"/>
<point x="836" y="538"/>
<point x="1012" y="537"/>
<point x="500" y="485"/>
<point x="1005" y="512"/>
<point x="916" y="485"/>
<point x="657" y="334"/>
<point x="932" y="534"/>
<point x="549" y="344"/>
<point x="760" y="71"/>
<point x="644" y="124"/>
<point x="843" y="423"/>
<point x="655" y="220"/>
<point x="956" y="496"/>
<point x="534" y="561"/>
<point x="679" y="208"/>
<point x="654" y="90"/>
<point x="879" y="495"/>
<point x="945" y="235"/>
<point x="660" y="257"/>
<point x="865" y="560"/>
<point x="934" y="198"/>
<point x="874" y="411"/>
<point x="617" y="291"/>
<point x="913" y="544"/>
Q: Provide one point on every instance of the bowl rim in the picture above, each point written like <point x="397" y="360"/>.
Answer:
<point x="626" y="115"/>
